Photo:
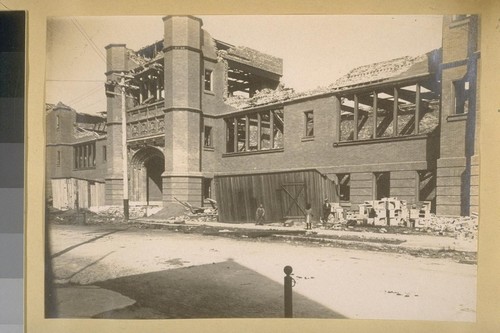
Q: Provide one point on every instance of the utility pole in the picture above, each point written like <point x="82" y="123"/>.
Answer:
<point x="124" y="150"/>
<point x="123" y="93"/>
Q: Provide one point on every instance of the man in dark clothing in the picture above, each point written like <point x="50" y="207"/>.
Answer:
<point x="259" y="215"/>
<point x="327" y="209"/>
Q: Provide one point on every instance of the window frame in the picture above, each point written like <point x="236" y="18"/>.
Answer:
<point x="210" y="137"/>
<point x="84" y="156"/>
<point x="460" y="90"/>
<point x="243" y="129"/>
<point x="210" y="80"/>
<point x="340" y="176"/>
<point x="306" y="127"/>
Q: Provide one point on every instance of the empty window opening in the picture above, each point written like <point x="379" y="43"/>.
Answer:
<point x="255" y="131"/>
<point x="253" y="135"/>
<point x="208" y="80"/>
<point x="230" y="135"/>
<point x="265" y="131"/>
<point x="207" y="137"/>
<point x="309" y="123"/>
<point x="382" y="185"/>
<point x="84" y="155"/>
<point x="461" y="96"/>
<point x="207" y="188"/>
<point x="364" y="104"/>
<point x="58" y="160"/>
<point x="344" y="180"/>
<point x="427" y="187"/>
<point x="407" y="104"/>
<point x="278" y="128"/>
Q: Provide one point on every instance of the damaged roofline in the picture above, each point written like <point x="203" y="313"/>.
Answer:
<point x="342" y="91"/>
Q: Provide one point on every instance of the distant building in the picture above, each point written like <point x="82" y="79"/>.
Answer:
<point x="211" y="120"/>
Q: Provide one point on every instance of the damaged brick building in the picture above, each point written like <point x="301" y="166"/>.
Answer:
<point x="210" y="120"/>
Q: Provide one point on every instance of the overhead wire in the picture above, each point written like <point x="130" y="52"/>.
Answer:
<point x="88" y="39"/>
<point x="92" y="104"/>
<point x="101" y="56"/>
<point x="78" y="99"/>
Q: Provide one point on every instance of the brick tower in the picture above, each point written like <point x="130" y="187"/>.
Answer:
<point x="182" y="178"/>
<point x="117" y="62"/>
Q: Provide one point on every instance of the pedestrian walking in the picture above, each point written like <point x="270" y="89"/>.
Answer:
<point x="260" y="214"/>
<point x="309" y="216"/>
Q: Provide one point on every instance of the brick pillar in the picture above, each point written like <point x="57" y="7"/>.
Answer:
<point x="113" y="189"/>
<point x="450" y="191"/>
<point x="182" y="178"/>
<point x="474" y="185"/>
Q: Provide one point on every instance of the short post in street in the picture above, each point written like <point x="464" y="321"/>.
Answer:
<point x="288" y="292"/>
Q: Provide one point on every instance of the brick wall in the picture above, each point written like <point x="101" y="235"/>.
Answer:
<point x="458" y="164"/>
<point x="404" y="185"/>
<point x="320" y="151"/>
<point x="361" y="187"/>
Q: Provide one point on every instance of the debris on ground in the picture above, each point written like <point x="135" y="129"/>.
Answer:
<point x="391" y="215"/>
<point x="201" y="214"/>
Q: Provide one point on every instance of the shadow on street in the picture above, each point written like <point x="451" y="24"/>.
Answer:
<point x="219" y="290"/>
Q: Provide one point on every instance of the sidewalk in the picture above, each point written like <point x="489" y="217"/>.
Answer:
<point x="408" y="241"/>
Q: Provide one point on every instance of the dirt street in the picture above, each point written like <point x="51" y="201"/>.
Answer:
<point x="149" y="273"/>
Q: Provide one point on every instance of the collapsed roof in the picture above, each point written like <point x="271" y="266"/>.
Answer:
<point x="393" y="70"/>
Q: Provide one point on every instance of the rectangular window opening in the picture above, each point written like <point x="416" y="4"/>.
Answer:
<point x="207" y="137"/>
<point x="84" y="156"/>
<point x="344" y="183"/>
<point x="230" y="135"/>
<point x="309" y="123"/>
<point x="208" y="82"/>
<point x="382" y="185"/>
<point x="207" y="188"/>
<point x="461" y="96"/>
<point x="255" y="131"/>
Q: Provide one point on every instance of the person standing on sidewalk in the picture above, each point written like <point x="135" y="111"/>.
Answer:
<point x="260" y="215"/>
<point x="309" y="216"/>
<point x="327" y="210"/>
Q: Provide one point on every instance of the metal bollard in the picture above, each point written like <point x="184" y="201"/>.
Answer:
<point x="288" y="291"/>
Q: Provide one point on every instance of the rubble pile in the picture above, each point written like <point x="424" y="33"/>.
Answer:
<point x="196" y="214"/>
<point x="464" y="227"/>
<point x="392" y="212"/>
<point x="268" y="96"/>
<point x="377" y="71"/>
<point x="117" y="211"/>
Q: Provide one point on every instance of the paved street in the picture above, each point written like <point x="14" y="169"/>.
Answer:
<point x="122" y="271"/>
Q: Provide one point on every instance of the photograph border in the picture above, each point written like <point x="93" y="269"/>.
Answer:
<point x="488" y="305"/>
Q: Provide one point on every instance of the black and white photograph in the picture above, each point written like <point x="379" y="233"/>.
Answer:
<point x="262" y="166"/>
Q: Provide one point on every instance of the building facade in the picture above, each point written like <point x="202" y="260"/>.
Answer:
<point x="207" y="119"/>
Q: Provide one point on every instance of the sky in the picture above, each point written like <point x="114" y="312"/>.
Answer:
<point x="316" y="49"/>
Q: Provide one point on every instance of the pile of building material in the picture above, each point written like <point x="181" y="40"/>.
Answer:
<point x="384" y="212"/>
<point x="465" y="227"/>
<point x="269" y="96"/>
<point x="395" y="212"/>
<point x="200" y="214"/>
<point x="117" y="211"/>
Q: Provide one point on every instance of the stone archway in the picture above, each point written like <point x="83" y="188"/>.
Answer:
<point x="147" y="166"/>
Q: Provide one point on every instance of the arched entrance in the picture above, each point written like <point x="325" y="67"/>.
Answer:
<point x="147" y="166"/>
